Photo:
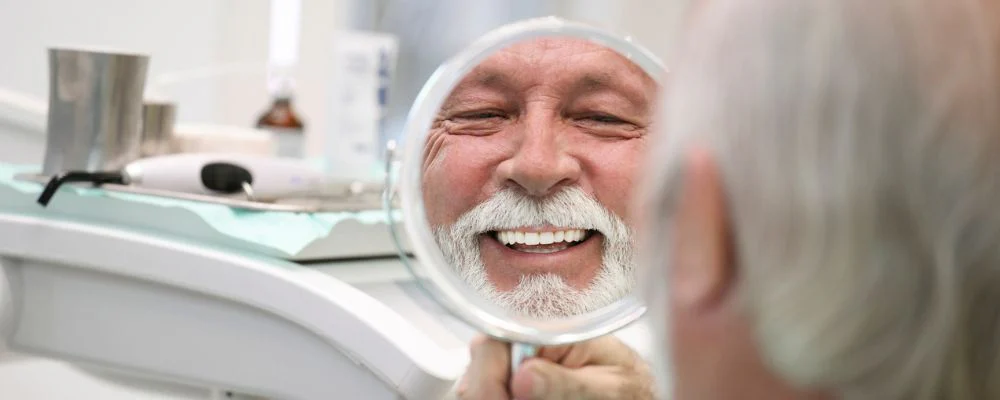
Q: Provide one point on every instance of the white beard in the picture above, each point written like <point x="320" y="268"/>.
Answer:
<point x="543" y="295"/>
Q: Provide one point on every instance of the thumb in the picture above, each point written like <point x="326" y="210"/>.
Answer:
<point x="539" y="379"/>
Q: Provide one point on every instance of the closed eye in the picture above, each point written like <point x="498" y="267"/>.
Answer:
<point x="607" y="125"/>
<point x="479" y="115"/>
<point x="606" y="119"/>
<point x="601" y="119"/>
<point x="476" y="122"/>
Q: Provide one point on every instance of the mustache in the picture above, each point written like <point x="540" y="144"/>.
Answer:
<point x="570" y="208"/>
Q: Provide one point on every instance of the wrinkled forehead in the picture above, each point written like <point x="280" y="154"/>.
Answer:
<point x="555" y="50"/>
<point x="552" y="61"/>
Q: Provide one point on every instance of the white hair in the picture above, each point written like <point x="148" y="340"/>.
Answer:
<point x="859" y="147"/>
<point x="543" y="295"/>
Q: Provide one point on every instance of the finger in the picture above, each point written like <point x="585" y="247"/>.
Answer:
<point x="543" y="380"/>
<point x="490" y="357"/>
<point x="488" y="371"/>
<point x="555" y="354"/>
<point x="604" y="350"/>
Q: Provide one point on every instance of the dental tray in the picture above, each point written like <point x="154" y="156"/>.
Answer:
<point x="311" y="230"/>
<point x="335" y="198"/>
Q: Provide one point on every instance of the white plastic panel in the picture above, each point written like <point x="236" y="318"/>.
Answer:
<point x="105" y="297"/>
<point x="35" y="378"/>
<point x="96" y="318"/>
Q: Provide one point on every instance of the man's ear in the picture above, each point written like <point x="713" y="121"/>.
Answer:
<point x="702" y="269"/>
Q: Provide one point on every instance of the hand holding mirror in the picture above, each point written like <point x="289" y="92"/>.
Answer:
<point x="517" y="166"/>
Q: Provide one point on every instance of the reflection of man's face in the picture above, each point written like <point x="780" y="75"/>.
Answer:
<point x="528" y="170"/>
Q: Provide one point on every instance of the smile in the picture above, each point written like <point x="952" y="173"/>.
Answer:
<point x="541" y="242"/>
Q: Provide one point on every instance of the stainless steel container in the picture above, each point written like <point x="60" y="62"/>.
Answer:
<point x="158" y="120"/>
<point x="95" y="110"/>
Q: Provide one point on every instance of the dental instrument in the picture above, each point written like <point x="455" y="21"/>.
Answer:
<point x="258" y="178"/>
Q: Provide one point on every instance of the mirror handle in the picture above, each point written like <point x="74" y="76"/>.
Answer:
<point x="520" y="352"/>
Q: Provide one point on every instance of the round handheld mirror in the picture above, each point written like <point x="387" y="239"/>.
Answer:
<point x="517" y="165"/>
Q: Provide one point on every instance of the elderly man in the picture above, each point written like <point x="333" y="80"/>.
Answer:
<point x="528" y="172"/>
<point x="824" y="212"/>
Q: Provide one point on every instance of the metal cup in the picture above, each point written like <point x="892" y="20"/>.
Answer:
<point x="158" y="120"/>
<point x="95" y="110"/>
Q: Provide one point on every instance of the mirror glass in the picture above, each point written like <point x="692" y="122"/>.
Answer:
<point x="520" y="180"/>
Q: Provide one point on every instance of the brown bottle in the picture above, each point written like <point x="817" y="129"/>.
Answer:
<point x="283" y="121"/>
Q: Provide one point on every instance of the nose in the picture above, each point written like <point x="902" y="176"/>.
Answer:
<point x="541" y="164"/>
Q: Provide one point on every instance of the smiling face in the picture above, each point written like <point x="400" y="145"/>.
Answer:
<point x="528" y="171"/>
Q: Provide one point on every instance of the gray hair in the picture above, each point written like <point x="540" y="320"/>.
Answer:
<point x="859" y="148"/>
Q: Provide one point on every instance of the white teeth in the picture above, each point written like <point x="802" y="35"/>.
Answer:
<point x="546" y="238"/>
<point x="540" y="238"/>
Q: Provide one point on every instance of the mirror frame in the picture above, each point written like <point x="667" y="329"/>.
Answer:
<point x="440" y="284"/>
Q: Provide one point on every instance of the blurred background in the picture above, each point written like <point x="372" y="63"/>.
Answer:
<point x="213" y="57"/>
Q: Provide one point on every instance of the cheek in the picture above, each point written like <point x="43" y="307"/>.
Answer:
<point x="457" y="178"/>
<point x="612" y="170"/>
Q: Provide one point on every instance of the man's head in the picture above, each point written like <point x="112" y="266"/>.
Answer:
<point x="824" y="204"/>
<point x="528" y="173"/>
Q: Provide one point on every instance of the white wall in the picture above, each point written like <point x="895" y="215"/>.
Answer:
<point x="177" y="34"/>
<point x="19" y="145"/>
